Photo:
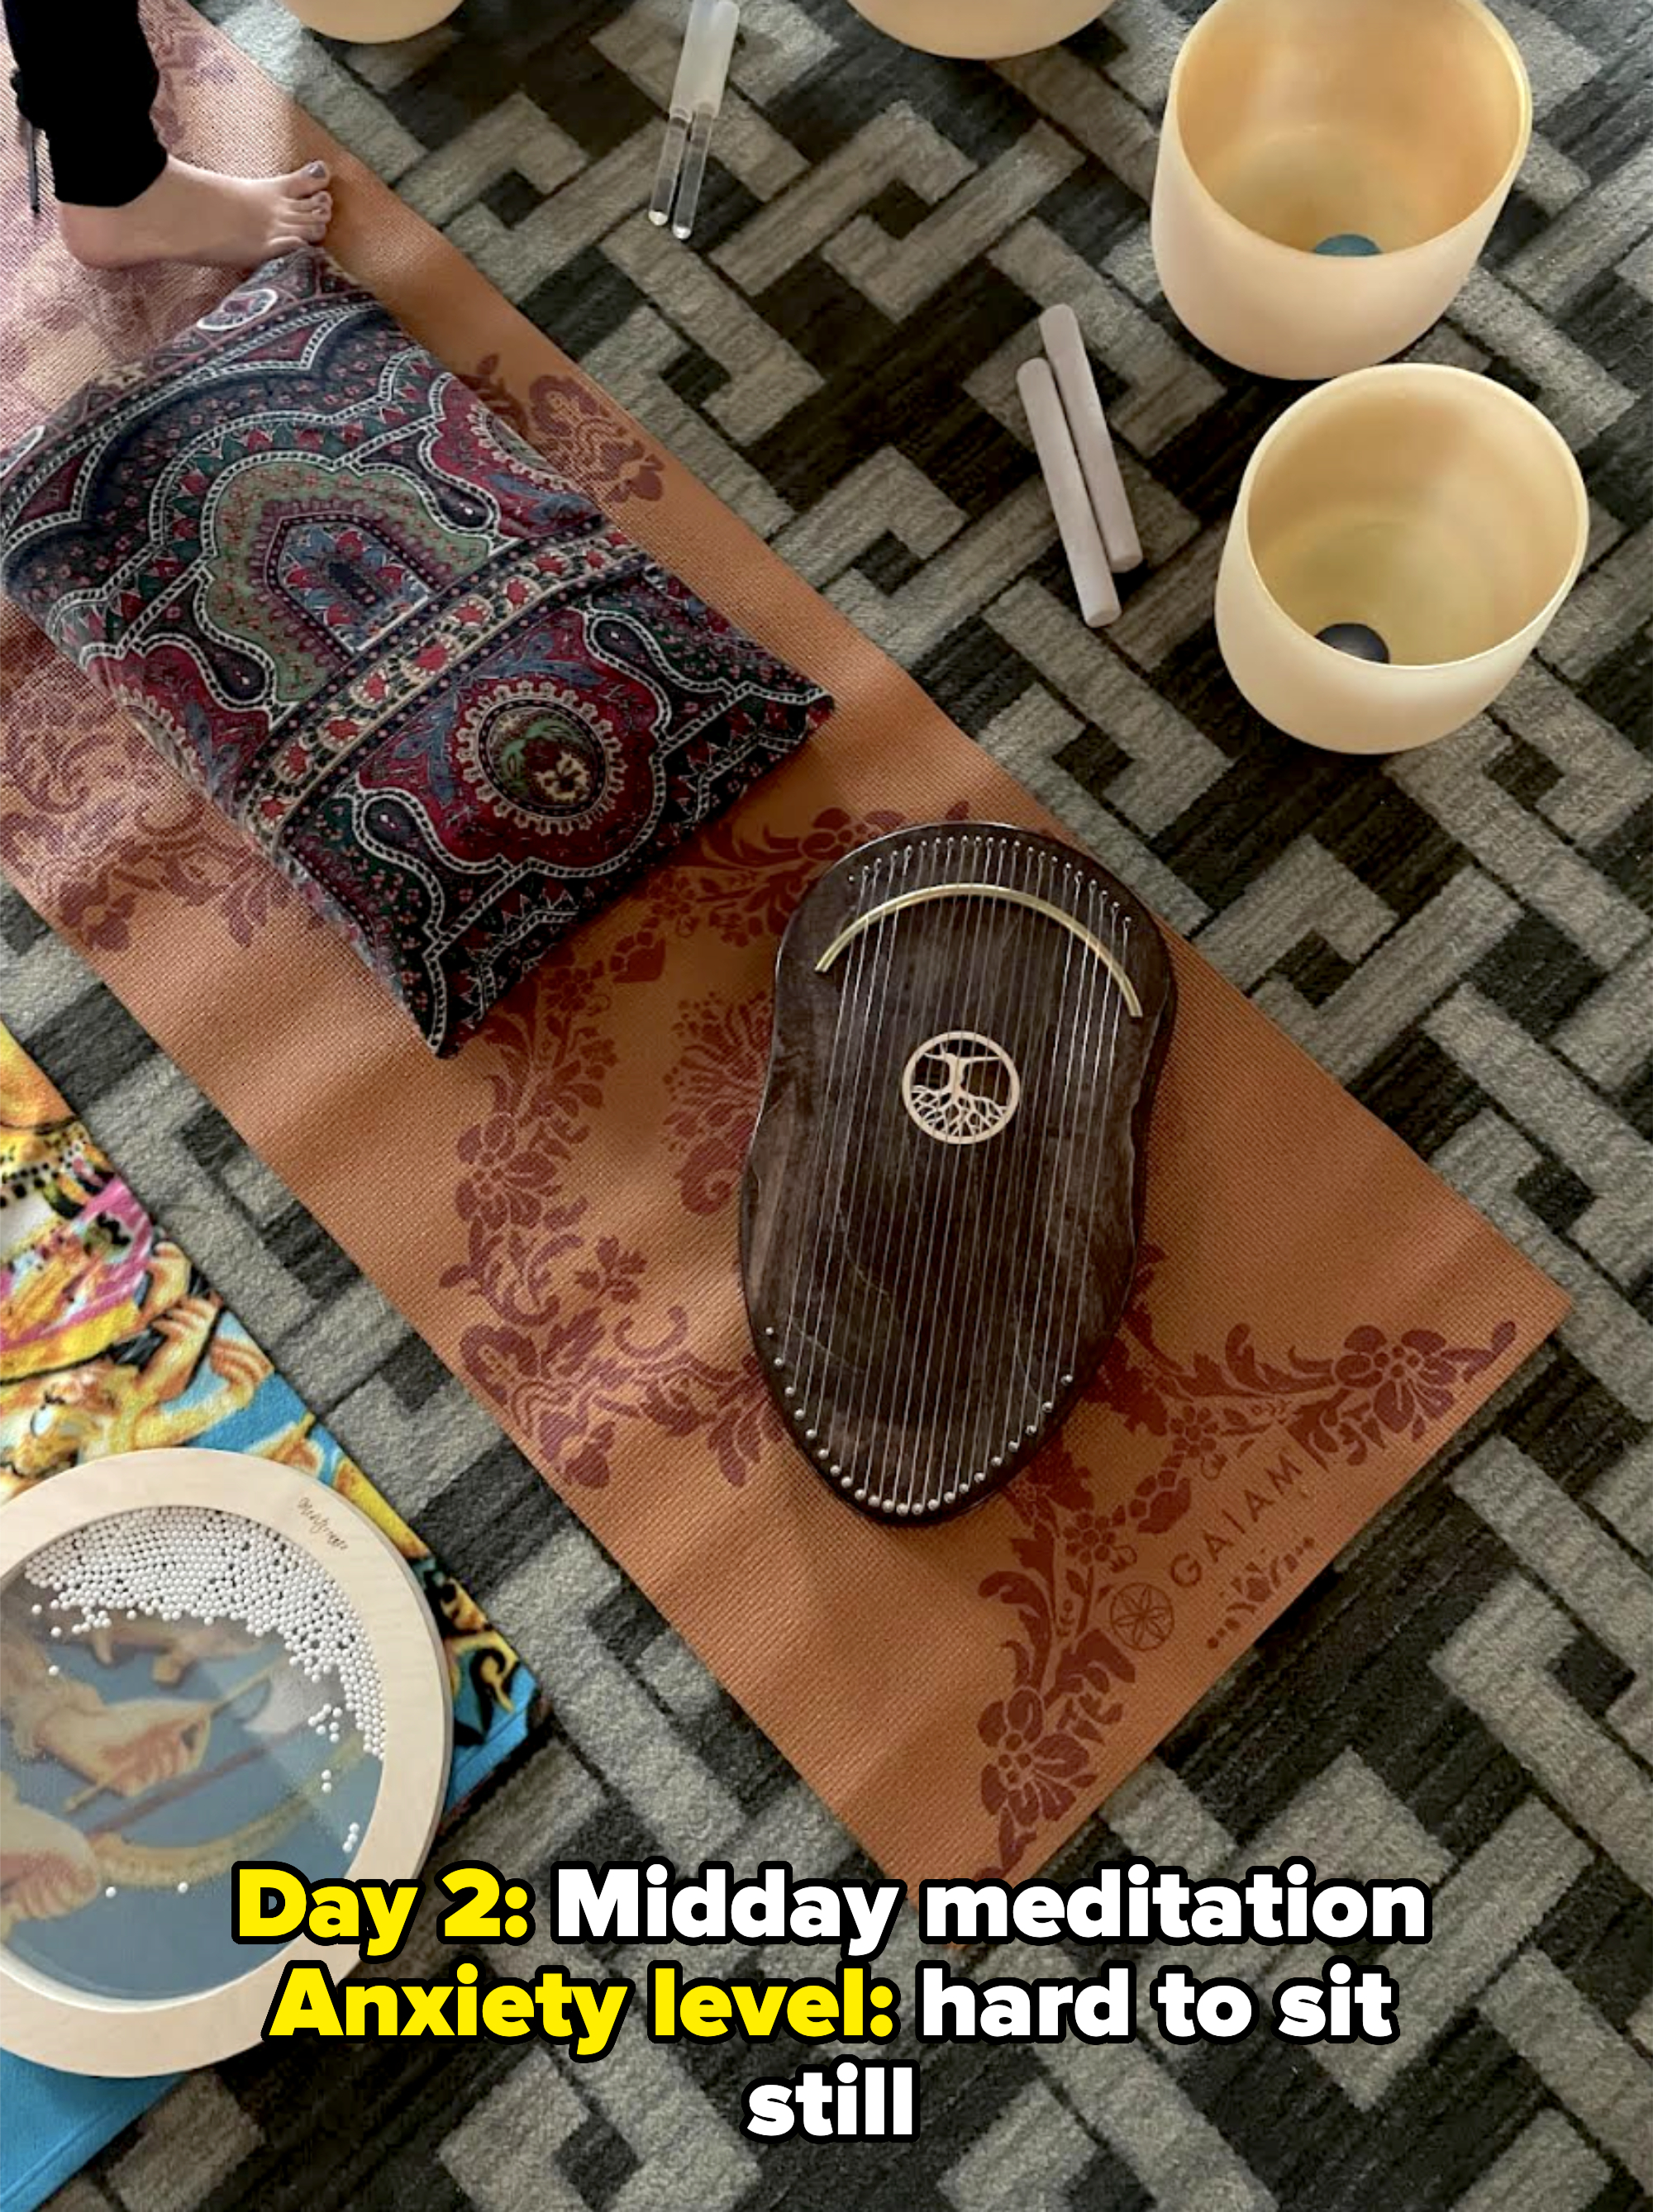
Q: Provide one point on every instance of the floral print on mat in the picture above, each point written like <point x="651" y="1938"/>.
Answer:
<point x="451" y="702"/>
<point x="1094" y="1591"/>
<point x="565" y="1358"/>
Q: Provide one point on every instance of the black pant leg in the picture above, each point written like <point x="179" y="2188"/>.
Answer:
<point x="86" y="77"/>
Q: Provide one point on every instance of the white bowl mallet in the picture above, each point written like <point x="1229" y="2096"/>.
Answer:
<point x="1081" y="470"/>
<point x="697" y="95"/>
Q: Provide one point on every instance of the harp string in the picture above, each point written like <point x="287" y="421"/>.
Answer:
<point x="819" y="1307"/>
<point x="991" y="1166"/>
<point x="941" y="1202"/>
<point x="1091" y="1159"/>
<point x="1053" y="1125"/>
<point x="977" y="858"/>
<point x="840" y="1455"/>
<point x="847" y="1446"/>
<point x="1047" y="1229"/>
<point x="993" y="1239"/>
<point x="1082" y="1070"/>
<point x="954" y="1265"/>
<point x="1024" y="1381"/>
<point x="801" y="1349"/>
<point x="982" y="1234"/>
<point x="787" y="1355"/>
<point x="1098" y="1138"/>
<point x="1100" y="1076"/>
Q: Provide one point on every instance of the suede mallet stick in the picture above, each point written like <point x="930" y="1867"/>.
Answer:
<point x="1064" y="345"/>
<point x="1087" y="557"/>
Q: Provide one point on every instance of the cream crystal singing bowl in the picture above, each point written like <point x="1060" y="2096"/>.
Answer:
<point x="1423" y="513"/>
<point x="1328" y="172"/>
<point x="371" y="22"/>
<point x="980" y="30"/>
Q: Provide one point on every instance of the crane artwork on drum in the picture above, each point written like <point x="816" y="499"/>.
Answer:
<point x="942" y="1197"/>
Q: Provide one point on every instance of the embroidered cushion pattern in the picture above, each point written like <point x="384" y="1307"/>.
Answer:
<point x="436" y="687"/>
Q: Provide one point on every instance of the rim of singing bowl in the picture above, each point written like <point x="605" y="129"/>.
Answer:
<point x="1500" y="37"/>
<point x="1335" y="389"/>
<point x="370" y="22"/>
<point x="977" y="29"/>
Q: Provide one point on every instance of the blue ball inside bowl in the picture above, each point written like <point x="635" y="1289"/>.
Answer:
<point x="1349" y="244"/>
<point x="1359" y="639"/>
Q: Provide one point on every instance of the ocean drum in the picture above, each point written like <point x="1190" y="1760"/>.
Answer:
<point x="1402" y="541"/>
<point x="204" y="1657"/>
<point x="1328" y="172"/>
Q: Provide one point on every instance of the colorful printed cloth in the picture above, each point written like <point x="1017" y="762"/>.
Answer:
<point x="452" y="703"/>
<point x="111" y="1341"/>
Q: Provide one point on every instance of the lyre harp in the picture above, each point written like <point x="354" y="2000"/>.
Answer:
<point x="943" y="1196"/>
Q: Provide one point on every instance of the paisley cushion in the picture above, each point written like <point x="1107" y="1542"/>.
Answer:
<point x="428" y="679"/>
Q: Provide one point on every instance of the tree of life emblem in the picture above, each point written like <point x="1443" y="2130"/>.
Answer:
<point x="961" y="1088"/>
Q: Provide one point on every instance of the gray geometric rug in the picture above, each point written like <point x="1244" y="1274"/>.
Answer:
<point x="1464" y="936"/>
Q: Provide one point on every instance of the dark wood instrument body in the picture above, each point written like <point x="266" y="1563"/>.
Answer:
<point x="928" y="1305"/>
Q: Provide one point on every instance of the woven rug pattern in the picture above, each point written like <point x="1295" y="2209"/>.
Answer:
<point x="1463" y="938"/>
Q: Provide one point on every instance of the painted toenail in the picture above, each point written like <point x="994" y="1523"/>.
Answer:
<point x="318" y="169"/>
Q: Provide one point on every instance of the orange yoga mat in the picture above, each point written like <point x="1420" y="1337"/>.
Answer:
<point x="555" y="1210"/>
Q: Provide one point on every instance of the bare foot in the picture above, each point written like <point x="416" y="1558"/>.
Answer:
<point x="196" y="214"/>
